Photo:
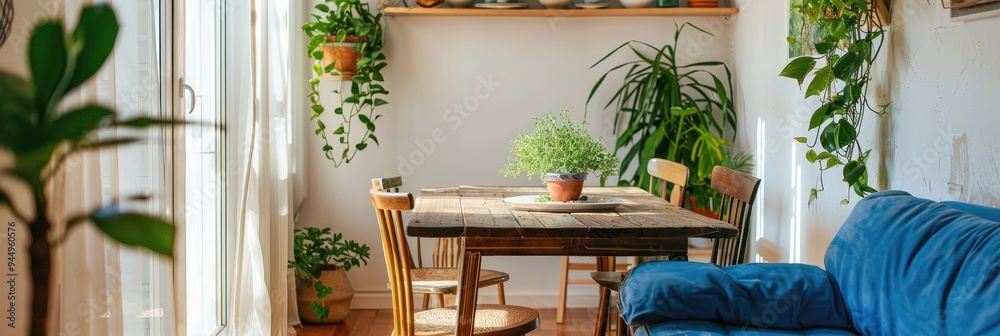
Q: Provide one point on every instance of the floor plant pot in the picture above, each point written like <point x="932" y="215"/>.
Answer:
<point x="702" y="211"/>
<point x="339" y="300"/>
<point x="564" y="187"/>
<point x="343" y="54"/>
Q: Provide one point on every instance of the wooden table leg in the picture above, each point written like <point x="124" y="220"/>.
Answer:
<point x="604" y="264"/>
<point x="468" y="291"/>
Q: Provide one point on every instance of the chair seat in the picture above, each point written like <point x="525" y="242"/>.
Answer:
<point x="491" y="320"/>
<point x="445" y="280"/>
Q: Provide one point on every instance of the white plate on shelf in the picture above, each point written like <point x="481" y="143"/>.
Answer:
<point x="503" y="5"/>
<point x="592" y="5"/>
<point x="530" y="203"/>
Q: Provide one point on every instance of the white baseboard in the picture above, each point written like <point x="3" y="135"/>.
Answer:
<point x="382" y="300"/>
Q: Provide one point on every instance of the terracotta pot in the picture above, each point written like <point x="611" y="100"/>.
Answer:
<point x="339" y="300"/>
<point x="702" y="211"/>
<point x="565" y="187"/>
<point x="343" y="54"/>
<point x="429" y="3"/>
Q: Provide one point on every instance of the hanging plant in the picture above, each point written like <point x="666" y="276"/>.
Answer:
<point x="848" y="37"/>
<point x="345" y="43"/>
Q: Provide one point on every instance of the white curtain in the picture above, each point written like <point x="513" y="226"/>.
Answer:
<point x="266" y="210"/>
<point x="106" y="288"/>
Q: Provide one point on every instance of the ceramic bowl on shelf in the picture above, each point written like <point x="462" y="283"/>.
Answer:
<point x="459" y="3"/>
<point x="636" y="3"/>
<point x="554" y="4"/>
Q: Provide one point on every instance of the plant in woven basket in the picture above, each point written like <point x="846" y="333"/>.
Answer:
<point x="317" y="250"/>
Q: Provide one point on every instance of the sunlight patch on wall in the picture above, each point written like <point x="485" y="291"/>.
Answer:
<point x="759" y="156"/>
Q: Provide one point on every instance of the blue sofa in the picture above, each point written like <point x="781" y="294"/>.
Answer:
<point x="900" y="265"/>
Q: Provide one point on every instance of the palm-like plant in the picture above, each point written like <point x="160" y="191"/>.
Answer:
<point x="678" y="112"/>
<point x="41" y="136"/>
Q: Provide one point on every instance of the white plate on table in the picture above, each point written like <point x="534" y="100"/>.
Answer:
<point x="502" y="5"/>
<point x="530" y="203"/>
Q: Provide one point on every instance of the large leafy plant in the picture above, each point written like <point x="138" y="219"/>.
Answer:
<point x="558" y="145"/>
<point x="361" y="94"/>
<point x="317" y="250"/>
<point x="849" y="39"/>
<point x="41" y="135"/>
<point x="664" y="109"/>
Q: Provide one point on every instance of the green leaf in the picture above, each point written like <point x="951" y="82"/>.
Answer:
<point x="372" y="136"/>
<point x="821" y="115"/>
<point x="340" y="130"/>
<point x="853" y="171"/>
<point x="823" y="47"/>
<point x="813" y="195"/>
<point x="318" y="108"/>
<point x="136" y="230"/>
<point x="144" y="122"/>
<point x="811" y="156"/>
<point x="48" y="59"/>
<point x="78" y="123"/>
<point x="823" y="78"/>
<point x="361" y="146"/>
<point x="95" y="33"/>
<point x="800" y="139"/>
<point x="380" y="102"/>
<point x="847" y="66"/>
<point x="323" y="7"/>
<point x="827" y="138"/>
<point x="846" y="134"/>
<point x="799" y="68"/>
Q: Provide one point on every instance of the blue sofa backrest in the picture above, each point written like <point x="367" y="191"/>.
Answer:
<point x="911" y="266"/>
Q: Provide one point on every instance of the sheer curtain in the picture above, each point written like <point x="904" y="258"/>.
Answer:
<point x="265" y="212"/>
<point x="106" y="288"/>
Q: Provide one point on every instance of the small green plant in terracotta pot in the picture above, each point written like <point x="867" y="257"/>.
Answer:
<point x="562" y="153"/>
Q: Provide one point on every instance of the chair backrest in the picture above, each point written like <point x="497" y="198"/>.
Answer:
<point x="389" y="207"/>
<point x="739" y="190"/>
<point x="668" y="172"/>
<point x="446" y="252"/>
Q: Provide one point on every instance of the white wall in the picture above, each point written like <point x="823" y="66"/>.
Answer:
<point x="501" y="72"/>
<point x="942" y="139"/>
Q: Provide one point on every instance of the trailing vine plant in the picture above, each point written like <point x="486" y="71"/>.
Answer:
<point x="348" y="20"/>
<point x="847" y="36"/>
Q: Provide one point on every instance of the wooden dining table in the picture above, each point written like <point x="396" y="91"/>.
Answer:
<point x="643" y="225"/>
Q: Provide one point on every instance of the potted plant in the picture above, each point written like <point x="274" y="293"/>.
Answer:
<point x="673" y="111"/>
<point x="321" y="259"/>
<point x="560" y="152"/>
<point x="345" y="42"/>
<point x="41" y="133"/>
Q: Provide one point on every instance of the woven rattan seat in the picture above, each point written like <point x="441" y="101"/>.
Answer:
<point x="490" y="320"/>
<point x="445" y="280"/>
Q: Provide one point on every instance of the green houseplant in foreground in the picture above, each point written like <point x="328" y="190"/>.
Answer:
<point x="849" y="41"/>
<point x="346" y="42"/>
<point x="41" y="135"/>
<point x="321" y="259"/>
<point x="679" y="112"/>
<point x="560" y="152"/>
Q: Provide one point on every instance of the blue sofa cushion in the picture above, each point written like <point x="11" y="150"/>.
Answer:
<point x="910" y="266"/>
<point x="770" y="296"/>
<point x="985" y="212"/>
<point x="705" y="328"/>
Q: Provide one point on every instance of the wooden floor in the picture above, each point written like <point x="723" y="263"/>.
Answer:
<point x="579" y="322"/>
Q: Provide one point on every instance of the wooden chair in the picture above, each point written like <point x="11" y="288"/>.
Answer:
<point x="663" y="173"/>
<point x="739" y="191"/>
<point x="442" y="277"/>
<point x="494" y="320"/>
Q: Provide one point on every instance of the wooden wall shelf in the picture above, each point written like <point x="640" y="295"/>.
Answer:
<point x="567" y="13"/>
